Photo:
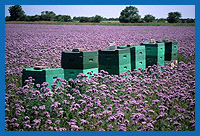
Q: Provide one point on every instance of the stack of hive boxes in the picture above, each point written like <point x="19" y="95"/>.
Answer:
<point x="74" y="63"/>
<point x="155" y="53"/>
<point x="171" y="50"/>
<point x="138" y="56"/>
<point x="114" y="61"/>
<point x="42" y="75"/>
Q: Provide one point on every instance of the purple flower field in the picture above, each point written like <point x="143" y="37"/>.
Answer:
<point x="148" y="100"/>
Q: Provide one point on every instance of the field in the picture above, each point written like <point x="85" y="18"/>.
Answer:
<point x="112" y="23"/>
<point x="148" y="100"/>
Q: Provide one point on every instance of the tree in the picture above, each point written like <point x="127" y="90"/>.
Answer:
<point x="96" y="19"/>
<point x="59" y="18"/>
<point x="63" y="18"/>
<point x="84" y="19"/>
<point x="149" y="18"/>
<point x="161" y="20"/>
<point x="16" y="13"/>
<point x="37" y="18"/>
<point x="129" y="14"/>
<point x="141" y="20"/>
<point x="76" y="18"/>
<point x="174" y="17"/>
<point x="48" y="15"/>
<point x="7" y="18"/>
<point x="190" y="20"/>
<point x="66" y="18"/>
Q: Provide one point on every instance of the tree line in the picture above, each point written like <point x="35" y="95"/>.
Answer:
<point x="128" y="15"/>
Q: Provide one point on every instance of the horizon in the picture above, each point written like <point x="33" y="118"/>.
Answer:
<point x="109" y="11"/>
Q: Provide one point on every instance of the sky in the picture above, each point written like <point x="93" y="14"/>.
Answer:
<point x="108" y="11"/>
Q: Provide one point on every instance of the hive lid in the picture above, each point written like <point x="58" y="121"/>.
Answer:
<point x="77" y="49"/>
<point x="82" y="53"/>
<point x="40" y="67"/>
<point x="153" y="44"/>
<point x="116" y="51"/>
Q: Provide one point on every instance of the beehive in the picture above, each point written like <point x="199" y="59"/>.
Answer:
<point x="115" y="70"/>
<point x="171" y="50"/>
<point x="79" y="60"/>
<point x="138" y="56"/>
<point x="115" y="61"/>
<point x="42" y="75"/>
<point x="155" y="53"/>
<point x="72" y="73"/>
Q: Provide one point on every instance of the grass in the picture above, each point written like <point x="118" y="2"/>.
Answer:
<point x="109" y="23"/>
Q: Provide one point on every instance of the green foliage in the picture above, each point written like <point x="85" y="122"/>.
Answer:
<point x="96" y="19"/>
<point x="187" y="20"/>
<point x="84" y="19"/>
<point x="76" y="18"/>
<point x="32" y="18"/>
<point x="59" y="18"/>
<point x="181" y="57"/>
<point x="48" y="15"/>
<point x="7" y="18"/>
<point x="129" y="15"/>
<point x="161" y="20"/>
<point x="36" y="18"/>
<point x="149" y="18"/>
<point x="174" y="17"/>
<point x="110" y="19"/>
<point x="16" y="13"/>
<point x="66" y="18"/>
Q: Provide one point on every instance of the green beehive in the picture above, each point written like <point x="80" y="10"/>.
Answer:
<point x="138" y="57"/>
<point x="115" y="57"/>
<point x="72" y="73"/>
<point x="42" y="75"/>
<point x="115" y="70"/>
<point x="171" y="50"/>
<point x="155" y="53"/>
<point x="79" y="60"/>
<point x="151" y="60"/>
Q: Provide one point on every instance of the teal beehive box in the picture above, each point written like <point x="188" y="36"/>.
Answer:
<point x="171" y="50"/>
<point x="42" y="75"/>
<point x="114" y="61"/>
<point x="155" y="53"/>
<point x="138" y="56"/>
<point x="72" y="73"/>
<point x="115" y="57"/>
<point x="79" y="60"/>
<point x="115" y="70"/>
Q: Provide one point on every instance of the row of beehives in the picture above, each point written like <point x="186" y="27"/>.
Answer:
<point x="114" y="61"/>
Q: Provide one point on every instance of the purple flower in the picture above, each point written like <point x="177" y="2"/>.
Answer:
<point x="34" y="107"/>
<point x="62" y="129"/>
<point x="26" y="117"/>
<point x="48" y="121"/>
<point x="101" y="129"/>
<point x="42" y="107"/>
<point x="57" y="122"/>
